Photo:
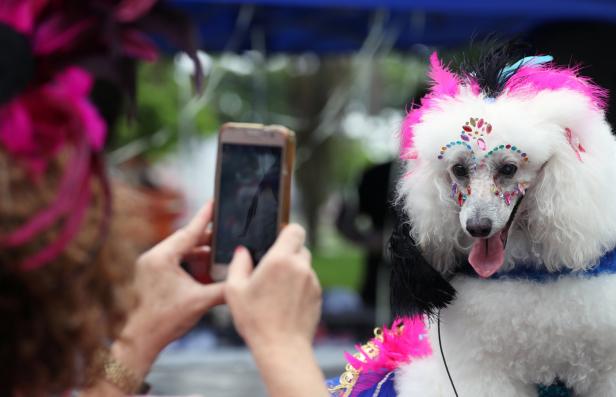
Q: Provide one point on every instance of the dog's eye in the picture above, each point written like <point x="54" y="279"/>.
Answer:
<point x="459" y="170"/>
<point x="508" y="170"/>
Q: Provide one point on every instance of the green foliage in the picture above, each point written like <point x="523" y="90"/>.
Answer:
<point x="349" y="159"/>
<point x="403" y="78"/>
<point x="337" y="262"/>
<point x="341" y="269"/>
<point x="159" y="106"/>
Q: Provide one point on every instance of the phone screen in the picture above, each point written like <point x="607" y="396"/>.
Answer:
<point x="248" y="200"/>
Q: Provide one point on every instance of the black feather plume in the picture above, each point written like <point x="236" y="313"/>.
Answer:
<point x="415" y="287"/>
<point x="486" y="65"/>
<point x="16" y="63"/>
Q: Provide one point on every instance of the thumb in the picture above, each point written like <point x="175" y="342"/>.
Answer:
<point x="241" y="266"/>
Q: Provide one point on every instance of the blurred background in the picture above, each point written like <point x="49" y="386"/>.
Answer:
<point x="341" y="74"/>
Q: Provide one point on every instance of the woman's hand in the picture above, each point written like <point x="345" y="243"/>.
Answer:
<point x="276" y="308"/>
<point x="280" y="299"/>
<point x="170" y="300"/>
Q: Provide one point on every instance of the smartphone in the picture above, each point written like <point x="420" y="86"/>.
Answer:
<point x="253" y="190"/>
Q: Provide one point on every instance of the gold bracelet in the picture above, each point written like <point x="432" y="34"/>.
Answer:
<point x="117" y="374"/>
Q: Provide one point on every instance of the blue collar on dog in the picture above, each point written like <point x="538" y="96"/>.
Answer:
<point x="606" y="265"/>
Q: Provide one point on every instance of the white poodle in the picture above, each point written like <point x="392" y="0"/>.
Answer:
<point x="509" y="195"/>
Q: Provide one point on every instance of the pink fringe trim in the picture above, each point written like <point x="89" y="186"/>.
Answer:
<point x="398" y="346"/>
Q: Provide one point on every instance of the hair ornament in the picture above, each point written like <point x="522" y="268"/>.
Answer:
<point x="454" y="189"/>
<point x="454" y="144"/>
<point x="526" y="77"/>
<point x="575" y="144"/>
<point x="508" y="196"/>
<point x="476" y="129"/>
<point x="460" y="195"/>
<point x="46" y="105"/>
<point x="508" y="71"/>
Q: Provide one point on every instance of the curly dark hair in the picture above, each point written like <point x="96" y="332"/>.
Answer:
<point x="55" y="319"/>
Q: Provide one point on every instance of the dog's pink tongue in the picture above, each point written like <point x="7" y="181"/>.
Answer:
<point x="487" y="255"/>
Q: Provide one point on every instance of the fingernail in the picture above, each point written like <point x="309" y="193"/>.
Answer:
<point x="238" y="249"/>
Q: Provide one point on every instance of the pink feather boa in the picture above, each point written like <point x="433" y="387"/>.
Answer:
<point x="405" y="340"/>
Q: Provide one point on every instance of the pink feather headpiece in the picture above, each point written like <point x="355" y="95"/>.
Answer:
<point x="56" y="50"/>
<point x="524" y="80"/>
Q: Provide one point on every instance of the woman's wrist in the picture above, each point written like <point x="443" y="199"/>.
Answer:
<point x="263" y="345"/>
<point x="294" y="358"/>
<point x="120" y="371"/>
<point x="137" y="346"/>
<point x="276" y="357"/>
<point x="134" y="355"/>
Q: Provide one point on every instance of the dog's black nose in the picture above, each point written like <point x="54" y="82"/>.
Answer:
<point x="479" y="227"/>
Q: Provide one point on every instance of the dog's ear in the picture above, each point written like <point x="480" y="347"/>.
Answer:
<point x="415" y="287"/>
<point x="571" y="205"/>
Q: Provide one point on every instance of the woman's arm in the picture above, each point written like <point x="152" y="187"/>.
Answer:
<point x="276" y="308"/>
<point x="290" y="369"/>
<point x="170" y="302"/>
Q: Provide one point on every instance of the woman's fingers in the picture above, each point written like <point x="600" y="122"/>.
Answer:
<point x="281" y="299"/>
<point x="198" y="253"/>
<point x="206" y="236"/>
<point x="305" y="254"/>
<point x="188" y="237"/>
<point x="290" y="241"/>
<point x="240" y="267"/>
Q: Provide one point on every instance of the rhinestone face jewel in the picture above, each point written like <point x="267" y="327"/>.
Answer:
<point x="475" y="132"/>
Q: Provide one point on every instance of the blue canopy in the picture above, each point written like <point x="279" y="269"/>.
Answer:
<point x="338" y="26"/>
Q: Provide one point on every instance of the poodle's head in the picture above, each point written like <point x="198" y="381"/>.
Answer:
<point x="509" y="164"/>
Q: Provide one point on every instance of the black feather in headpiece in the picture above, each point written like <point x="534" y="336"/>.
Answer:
<point x="415" y="286"/>
<point x="16" y="63"/>
<point x="486" y="68"/>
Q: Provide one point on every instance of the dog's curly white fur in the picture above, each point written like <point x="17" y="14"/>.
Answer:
<point x="501" y="337"/>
